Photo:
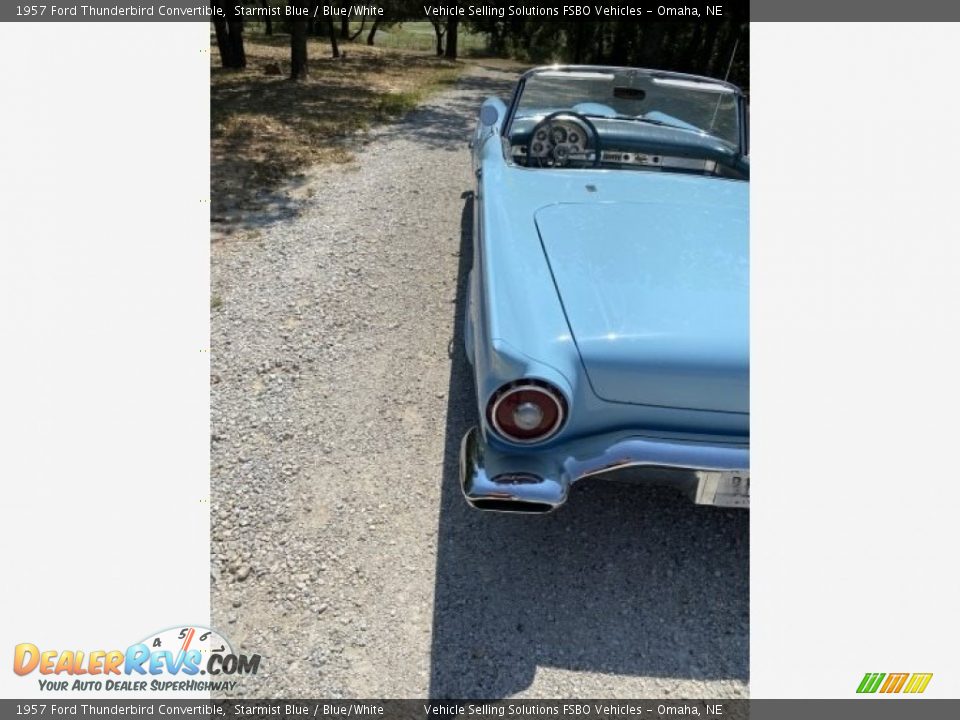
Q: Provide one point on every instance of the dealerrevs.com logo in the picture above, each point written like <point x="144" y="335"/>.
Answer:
<point x="189" y="658"/>
<point x="910" y="683"/>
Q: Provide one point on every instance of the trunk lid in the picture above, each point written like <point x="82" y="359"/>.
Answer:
<point x="656" y="296"/>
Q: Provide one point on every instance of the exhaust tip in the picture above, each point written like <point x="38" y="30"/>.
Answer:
<point x="512" y="506"/>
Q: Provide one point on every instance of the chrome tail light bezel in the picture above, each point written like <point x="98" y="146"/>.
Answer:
<point x="527" y="385"/>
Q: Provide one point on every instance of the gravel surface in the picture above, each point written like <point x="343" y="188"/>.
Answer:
<point x="341" y="548"/>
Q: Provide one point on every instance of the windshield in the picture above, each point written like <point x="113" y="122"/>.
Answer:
<point x="692" y="104"/>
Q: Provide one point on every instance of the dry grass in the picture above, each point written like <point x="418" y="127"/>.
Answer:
<point x="266" y="129"/>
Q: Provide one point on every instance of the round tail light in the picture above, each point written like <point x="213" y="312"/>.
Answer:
<point x="526" y="411"/>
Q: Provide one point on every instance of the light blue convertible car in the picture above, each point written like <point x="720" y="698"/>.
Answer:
<point x="607" y="314"/>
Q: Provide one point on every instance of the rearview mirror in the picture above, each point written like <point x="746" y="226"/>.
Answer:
<point x="488" y="115"/>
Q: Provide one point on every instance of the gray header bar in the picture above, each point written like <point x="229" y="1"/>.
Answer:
<point x="874" y="708"/>
<point x="625" y="10"/>
<point x="853" y="11"/>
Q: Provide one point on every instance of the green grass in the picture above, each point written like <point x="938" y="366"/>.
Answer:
<point x="398" y="103"/>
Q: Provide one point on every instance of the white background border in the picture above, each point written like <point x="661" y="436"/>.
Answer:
<point x="104" y="290"/>
<point x="855" y="356"/>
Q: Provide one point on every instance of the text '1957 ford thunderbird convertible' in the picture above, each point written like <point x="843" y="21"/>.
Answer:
<point x="607" y="312"/>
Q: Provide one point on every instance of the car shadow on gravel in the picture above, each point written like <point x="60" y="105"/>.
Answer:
<point x="623" y="580"/>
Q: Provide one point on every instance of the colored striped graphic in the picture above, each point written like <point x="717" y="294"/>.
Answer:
<point x="894" y="682"/>
<point x="918" y="682"/>
<point x="870" y="682"/>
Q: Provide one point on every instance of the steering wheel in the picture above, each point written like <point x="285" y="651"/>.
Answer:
<point x="561" y="137"/>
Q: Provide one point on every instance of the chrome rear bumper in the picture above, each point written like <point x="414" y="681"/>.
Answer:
<point x="538" y="482"/>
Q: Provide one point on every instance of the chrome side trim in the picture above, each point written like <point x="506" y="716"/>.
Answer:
<point x="539" y="481"/>
<point x="638" y="452"/>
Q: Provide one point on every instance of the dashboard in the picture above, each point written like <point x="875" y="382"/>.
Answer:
<point x="561" y="139"/>
<point x="519" y="155"/>
<point x="570" y="140"/>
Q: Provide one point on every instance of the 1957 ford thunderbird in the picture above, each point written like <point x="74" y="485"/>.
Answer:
<point x="607" y="314"/>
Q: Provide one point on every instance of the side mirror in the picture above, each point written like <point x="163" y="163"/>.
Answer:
<point x="489" y="116"/>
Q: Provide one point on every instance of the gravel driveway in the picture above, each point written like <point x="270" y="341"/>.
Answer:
<point x="341" y="548"/>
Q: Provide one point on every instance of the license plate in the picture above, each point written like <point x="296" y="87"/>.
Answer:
<point x="730" y="488"/>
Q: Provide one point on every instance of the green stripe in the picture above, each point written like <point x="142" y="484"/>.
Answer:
<point x="863" y="683"/>
<point x="871" y="682"/>
<point x="876" y="684"/>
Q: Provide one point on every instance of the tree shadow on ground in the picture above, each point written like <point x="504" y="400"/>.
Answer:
<point x="266" y="130"/>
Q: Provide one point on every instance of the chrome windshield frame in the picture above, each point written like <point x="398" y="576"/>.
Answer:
<point x="742" y="149"/>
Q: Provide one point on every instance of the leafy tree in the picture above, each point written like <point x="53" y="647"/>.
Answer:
<point x="715" y="46"/>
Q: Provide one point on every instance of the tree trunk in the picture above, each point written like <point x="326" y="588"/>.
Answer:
<point x="268" y="21"/>
<point x="363" y="24"/>
<point x="496" y="39"/>
<point x="578" y="44"/>
<point x="650" y="44"/>
<point x="689" y="58"/>
<point x="223" y="40"/>
<point x="373" y="32"/>
<point x="668" y="48"/>
<point x="298" y="44"/>
<point x="345" y="28"/>
<point x="238" y="58"/>
<point x="709" y="47"/>
<point x="228" y="26"/>
<point x="598" y="51"/>
<point x="618" y="52"/>
<point x="452" y="25"/>
<point x="437" y="25"/>
<point x="334" y="47"/>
